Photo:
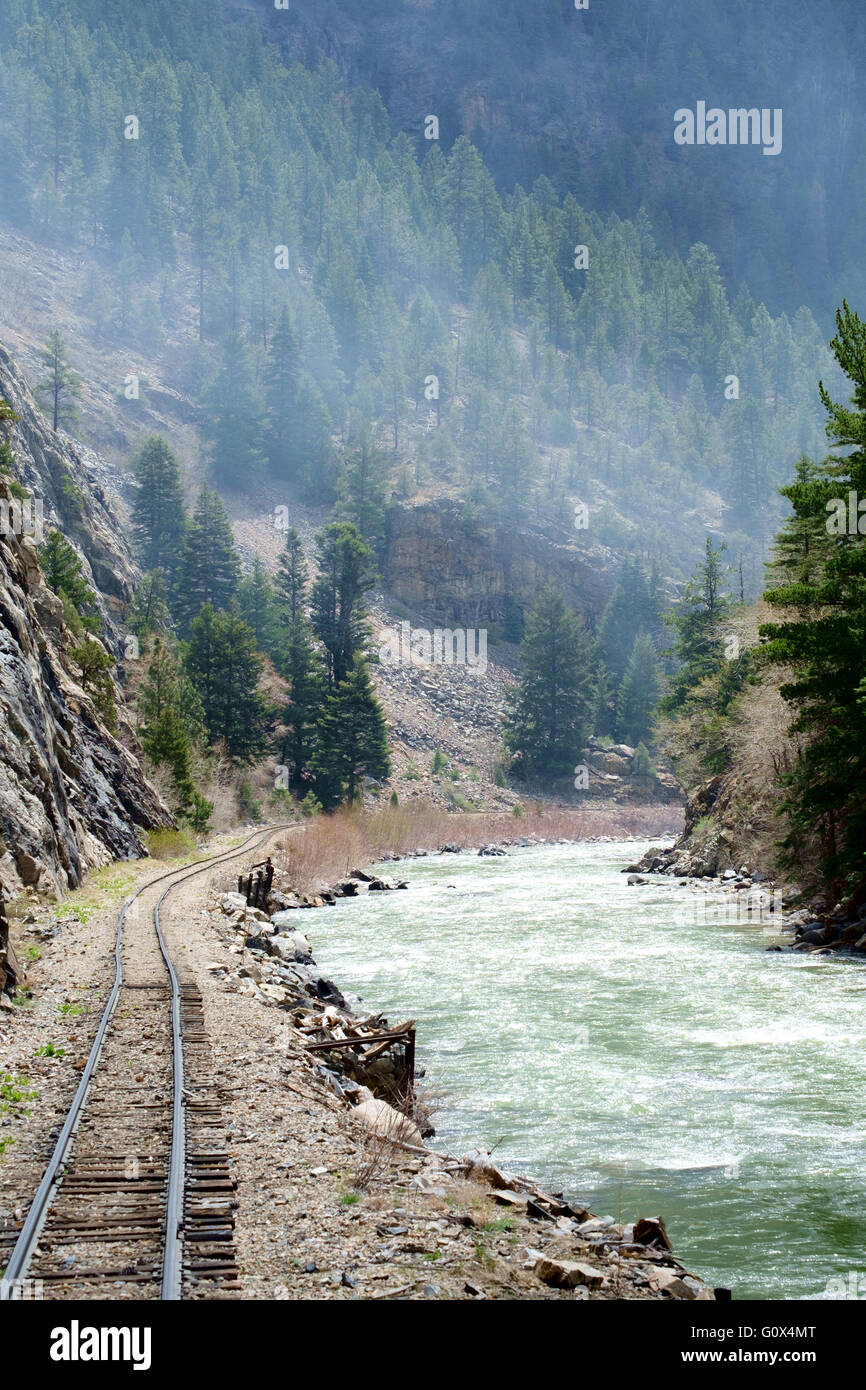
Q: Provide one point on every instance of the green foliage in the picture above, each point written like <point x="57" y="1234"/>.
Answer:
<point x="209" y="568"/>
<point x="7" y="454"/>
<point x="820" y="592"/>
<point x="148" y="611"/>
<point x="256" y="605"/>
<point x="60" y="386"/>
<point x="234" y="422"/>
<point x="63" y="572"/>
<point x="438" y="764"/>
<point x="352" y="739"/>
<point x="158" y="509"/>
<point x="697" y="622"/>
<point x="639" y="692"/>
<point x="615" y="372"/>
<point x="224" y="666"/>
<point x="641" y="763"/>
<point x="248" y="803"/>
<point x="338" y="608"/>
<point x="550" y="711"/>
<point x="96" y="665"/>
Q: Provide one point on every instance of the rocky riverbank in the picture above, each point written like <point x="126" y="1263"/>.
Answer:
<point x="815" y="929"/>
<point x="414" y="1223"/>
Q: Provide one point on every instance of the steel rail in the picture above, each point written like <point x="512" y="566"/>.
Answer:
<point x="28" y="1236"/>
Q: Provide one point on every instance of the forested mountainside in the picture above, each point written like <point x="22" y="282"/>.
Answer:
<point x="511" y="400"/>
<point x="362" y="314"/>
<point x="585" y="99"/>
<point x="72" y="791"/>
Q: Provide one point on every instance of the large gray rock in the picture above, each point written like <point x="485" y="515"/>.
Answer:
<point x="291" y="946"/>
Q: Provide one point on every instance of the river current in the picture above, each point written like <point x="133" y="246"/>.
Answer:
<point x="637" y="1048"/>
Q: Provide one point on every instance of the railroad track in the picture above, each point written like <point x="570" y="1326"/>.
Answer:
<point x="138" y="1194"/>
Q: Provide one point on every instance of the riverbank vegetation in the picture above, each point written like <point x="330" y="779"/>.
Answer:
<point x="335" y="844"/>
<point x="781" y="685"/>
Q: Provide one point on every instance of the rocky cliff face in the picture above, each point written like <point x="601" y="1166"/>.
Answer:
<point x="72" y="794"/>
<point x="74" y="487"/>
<point x="439" y="561"/>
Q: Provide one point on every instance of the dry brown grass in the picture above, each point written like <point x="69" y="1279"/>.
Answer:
<point x="329" y="846"/>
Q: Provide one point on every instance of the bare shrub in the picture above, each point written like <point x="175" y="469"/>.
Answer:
<point x="328" y="846"/>
<point x="376" y="1154"/>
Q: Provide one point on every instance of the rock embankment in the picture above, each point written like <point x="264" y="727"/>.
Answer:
<point x="709" y="852"/>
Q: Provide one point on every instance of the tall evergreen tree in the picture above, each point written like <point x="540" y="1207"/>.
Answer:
<point x="281" y="403"/>
<point x="338" y="604"/>
<point x="158" y="508"/>
<point x="148" y="612"/>
<point x="551" y="707"/>
<point x="61" y="385"/>
<point x="821" y="638"/>
<point x="234" y="423"/>
<point x="353" y="740"/>
<point x="697" y="621"/>
<point x="225" y="668"/>
<point x="64" y="573"/>
<point x="209" y="569"/>
<point x="362" y="491"/>
<point x="639" y="693"/>
<point x="256" y="605"/>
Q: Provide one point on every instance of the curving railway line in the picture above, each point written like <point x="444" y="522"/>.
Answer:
<point x="137" y="1199"/>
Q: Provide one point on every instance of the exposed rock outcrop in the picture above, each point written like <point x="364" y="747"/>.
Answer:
<point x="74" y="488"/>
<point x="72" y="793"/>
<point x="439" y="560"/>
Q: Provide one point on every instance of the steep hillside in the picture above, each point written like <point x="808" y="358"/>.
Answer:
<point x="72" y="793"/>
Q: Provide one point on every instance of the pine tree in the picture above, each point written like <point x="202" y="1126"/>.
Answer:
<point x="291" y="581"/>
<point x="64" y="573"/>
<point x="821" y="637"/>
<point x="353" y="740"/>
<point x="338" y="607"/>
<point x="256" y="605"/>
<point x="158" y="510"/>
<point x="61" y="386"/>
<point x="234" y="425"/>
<point x="631" y="609"/>
<point x="362" y="492"/>
<point x="209" y="570"/>
<point x="316" y="460"/>
<point x="148" y="612"/>
<point x="95" y="665"/>
<point x="697" y="622"/>
<point x="297" y="662"/>
<point x="639" y="693"/>
<point x="225" y="668"/>
<point x="551" y="707"/>
<point x="281" y="400"/>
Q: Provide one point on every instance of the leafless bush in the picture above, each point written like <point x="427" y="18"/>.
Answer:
<point x="376" y="1154"/>
<point x="328" y="846"/>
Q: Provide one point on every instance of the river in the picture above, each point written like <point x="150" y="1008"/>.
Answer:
<point x="631" y="1047"/>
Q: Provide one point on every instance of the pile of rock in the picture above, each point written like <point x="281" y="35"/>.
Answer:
<point x="838" y="932"/>
<point x="610" y="774"/>
<point x="576" y="1250"/>
<point x="273" y="964"/>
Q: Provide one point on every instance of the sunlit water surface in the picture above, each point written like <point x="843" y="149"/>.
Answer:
<point x="627" y="1047"/>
